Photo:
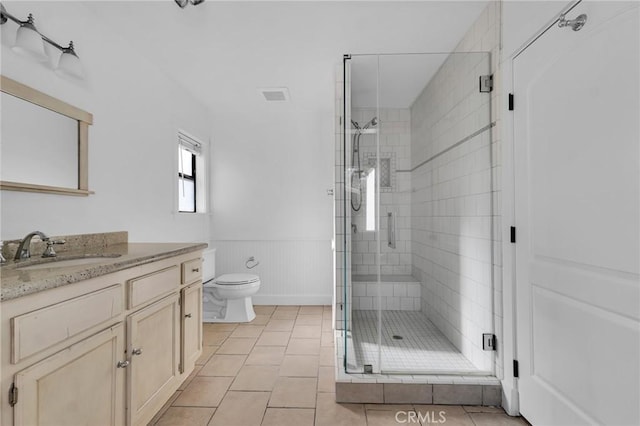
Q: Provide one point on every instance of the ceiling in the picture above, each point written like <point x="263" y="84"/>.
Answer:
<point x="221" y="52"/>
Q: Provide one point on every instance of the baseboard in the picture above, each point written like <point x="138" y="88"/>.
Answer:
<point x="276" y="299"/>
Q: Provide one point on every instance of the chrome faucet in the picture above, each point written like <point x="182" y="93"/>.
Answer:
<point x="23" y="251"/>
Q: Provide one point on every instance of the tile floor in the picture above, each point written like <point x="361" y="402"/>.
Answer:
<point x="423" y="348"/>
<point x="279" y="370"/>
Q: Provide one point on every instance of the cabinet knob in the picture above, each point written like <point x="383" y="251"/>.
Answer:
<point x="195" y="270"/>
<point x="187" y="315"/>
<point x="123" y="364"/>
<point x="137" y="351"/>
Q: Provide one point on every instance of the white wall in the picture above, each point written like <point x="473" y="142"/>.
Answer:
<point x="271" y="167"/>
<point x="132" y="144"/>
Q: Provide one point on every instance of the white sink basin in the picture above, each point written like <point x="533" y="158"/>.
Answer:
<point x="62" y="263"/>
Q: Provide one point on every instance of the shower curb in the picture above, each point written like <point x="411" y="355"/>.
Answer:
<point x="419" y="393"/>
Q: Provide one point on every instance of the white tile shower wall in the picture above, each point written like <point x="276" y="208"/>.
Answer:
<point x="455" y="163"/>
<point x="291" y="272"/>
<point x="395" y="144"/>
<point x="393" y="296"/>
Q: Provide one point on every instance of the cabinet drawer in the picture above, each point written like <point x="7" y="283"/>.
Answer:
<point x="191" y="271"/>
<point x="150" y="286"/>
<point x="40" y="329"/>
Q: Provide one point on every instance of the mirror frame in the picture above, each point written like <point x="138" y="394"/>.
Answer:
<point x="84" y="119"/>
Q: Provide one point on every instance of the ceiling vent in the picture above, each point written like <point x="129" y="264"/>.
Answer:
<point x="275" y="94"/>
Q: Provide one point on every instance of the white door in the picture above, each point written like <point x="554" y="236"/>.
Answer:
<point x="576" y="144"/>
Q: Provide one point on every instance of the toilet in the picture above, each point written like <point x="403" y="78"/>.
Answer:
<point x="227" y="298"/>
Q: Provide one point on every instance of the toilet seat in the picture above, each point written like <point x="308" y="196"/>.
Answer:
<point x="236" y="279"/>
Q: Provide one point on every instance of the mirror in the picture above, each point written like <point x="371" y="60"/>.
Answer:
<point x="44" y="142"/>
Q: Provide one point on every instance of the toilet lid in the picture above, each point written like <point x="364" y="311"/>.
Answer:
<point x="231" y="279"/>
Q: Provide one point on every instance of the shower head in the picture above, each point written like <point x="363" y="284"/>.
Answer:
<point x="372" y="122"/>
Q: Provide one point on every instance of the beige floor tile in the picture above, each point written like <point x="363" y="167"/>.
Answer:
<point x="326" y="379"/>
<point x="214" y="338"/>
<point x="223" y="365"/>
<point x="207" y="351"/>
<point x="241" y="409"/>
<point x="247" y="331"/>
<point x="219" y="326"/>
<point x="389" y="407"/>
<point x="299" y="366"/>
<point x="186" y="416"/>
<point x="388" y="418"/>
<point x="481" y="409"/>
<point x="204" y="392"/>
<point x="311" y="310"/>
<point x="165" y="407"/>
<point x="279" y="324"/>
<point x="290" y="315"/>
<point x="295" y="392"/>
<point x="309" y="320"/>
<point x="303" y="347"/>
<point x="287" y="308"/>
<point x="327" y="339"/>
<point x="266" y="355"/>
<point x="330" y="413"/>
<point x="327" y="356"/>
<point x="449" y="410"/>
<point x="274" y="338"/>
<point x="260" y="320"/>
<point x="256" y="378"/>
<point x="306" y="331"/>
<point x="188" y="380"/>
<point x="453" y="415"/>
<point x="264" y="309"/>
<point x="237" y="346"/>
<point x="495" y="419"/>
<point x="288" y="417"/>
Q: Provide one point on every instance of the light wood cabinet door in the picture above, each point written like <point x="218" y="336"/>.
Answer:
<point x="191" y="325"/>
<point x="153" y="347"/>
<point x="78" y="385"/>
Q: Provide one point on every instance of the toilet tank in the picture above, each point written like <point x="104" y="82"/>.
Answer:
<point x="208" y="264"/>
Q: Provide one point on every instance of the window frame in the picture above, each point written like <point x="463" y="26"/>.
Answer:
<point x="199" y="172"/>
<point x="191" y="177"/>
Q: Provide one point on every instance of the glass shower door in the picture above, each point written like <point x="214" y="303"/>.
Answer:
<point x="418" y="214"/>
<point x="362" y="195"/>
<point x="435" y="210"/>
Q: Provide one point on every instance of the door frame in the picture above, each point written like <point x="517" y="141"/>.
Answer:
<point x="511" y="396"/>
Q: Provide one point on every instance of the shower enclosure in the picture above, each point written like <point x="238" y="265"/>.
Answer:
<point x="416" y="199"/>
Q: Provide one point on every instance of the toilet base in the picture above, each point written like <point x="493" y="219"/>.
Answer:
<point x="237" y="310"/>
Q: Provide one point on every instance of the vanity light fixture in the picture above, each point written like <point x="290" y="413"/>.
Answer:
<point x="30" y="42"/>
<point x="184" y="3"/>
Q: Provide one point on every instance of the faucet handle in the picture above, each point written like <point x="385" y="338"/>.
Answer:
<point x="49" y="251"/>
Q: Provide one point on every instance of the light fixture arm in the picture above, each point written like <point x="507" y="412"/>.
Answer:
<point x="4" y="16"/>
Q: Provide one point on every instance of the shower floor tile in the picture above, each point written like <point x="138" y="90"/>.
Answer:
<point x="422" y="347"/>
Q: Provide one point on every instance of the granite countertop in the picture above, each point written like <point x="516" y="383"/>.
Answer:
<point x="16" y="282"/>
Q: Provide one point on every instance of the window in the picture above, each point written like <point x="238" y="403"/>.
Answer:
<point x="190" y="175"/>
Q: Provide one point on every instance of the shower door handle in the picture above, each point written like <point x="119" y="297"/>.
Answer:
<point x="391" y="231"/>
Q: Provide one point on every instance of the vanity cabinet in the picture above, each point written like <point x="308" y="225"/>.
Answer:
<point x="109" y="350"/>
<point x="79" y="382"/>
<point x="153" y="348"/>
<point x="191" y="326"/>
